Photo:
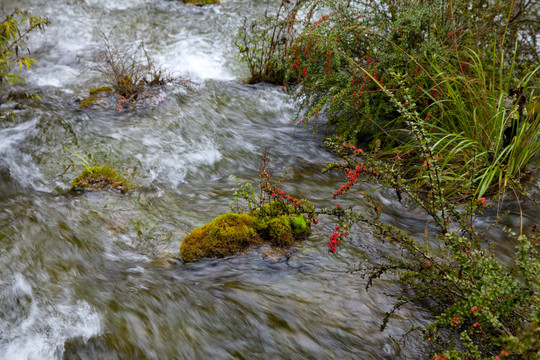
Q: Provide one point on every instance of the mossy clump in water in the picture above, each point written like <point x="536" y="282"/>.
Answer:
<point x="230" y="233"/>
<point x="100" y="89"/>
<point x="101" y="177"/>
<point x="300" y="226"/>
<point x="202" y="2"/>
<point x="225" y="235"/>
<point x="87" y="102"/>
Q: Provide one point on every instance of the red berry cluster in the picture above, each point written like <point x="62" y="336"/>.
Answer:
<point x="353" y="178"/>
<point x="300" y="205"/>
<point x="335" y="238"/>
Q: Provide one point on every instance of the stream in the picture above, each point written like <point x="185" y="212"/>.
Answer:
<point x="97" y="275"/>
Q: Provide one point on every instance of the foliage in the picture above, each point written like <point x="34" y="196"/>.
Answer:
<point x="245" y="193"/>
<point x="484" y="123"/>
<point x="388" y="38"/>
<point x="355" y="64"/>
<point x="14" y="31"/>
<point x="324" y="46"/>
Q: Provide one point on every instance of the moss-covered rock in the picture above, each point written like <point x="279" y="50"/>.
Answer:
<point x="101" y="177"/>
<point x="230" y="233"/>
<point x="275" y="208"/>
<point x="100" y="89"/>
<point x="202" y="2"/>
<point x="279" y="231"/>
<point x="87" y="102"/>
<point x="299" y="224"/>
<point x="225" y="235"/>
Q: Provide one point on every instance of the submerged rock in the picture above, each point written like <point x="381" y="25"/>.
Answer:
<point x="231" y="233"/>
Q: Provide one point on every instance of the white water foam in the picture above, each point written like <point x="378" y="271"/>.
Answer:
<point x="171" y="162"/>
<point x="42" y="332"/>
<point x="22" y="166"/>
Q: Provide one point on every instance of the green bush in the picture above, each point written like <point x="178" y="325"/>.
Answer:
<point x="322" y="51"/>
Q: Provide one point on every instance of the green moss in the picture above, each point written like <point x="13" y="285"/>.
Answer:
<point x="275" y="208"/>
<point x="87" y="102"/>
<point x="299" y="224"/>
<point x="100" y="89"/>
<point x="280" y="231"/>
<point x="202" y="2"/>
<point x="225" y="235"/>
<point x="230" y="233"/>
<point x="100" y="177"/>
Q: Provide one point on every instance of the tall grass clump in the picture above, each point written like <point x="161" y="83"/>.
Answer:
<point x="483" y="124"/>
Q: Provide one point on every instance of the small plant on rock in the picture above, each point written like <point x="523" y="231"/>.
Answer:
<point x="98" y="177"/>
<point x="271" y="217"/>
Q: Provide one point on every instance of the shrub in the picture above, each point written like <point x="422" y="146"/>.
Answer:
<point x="325" y="48"/>
<point x="355" y="67"/>
<point x="264" y="42"/>
<point x="482" y="306"/>
<point x="130" y="73"/>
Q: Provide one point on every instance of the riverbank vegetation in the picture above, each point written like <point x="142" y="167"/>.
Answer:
<point x="438" y="101"/>
<point x="342" y="60"/>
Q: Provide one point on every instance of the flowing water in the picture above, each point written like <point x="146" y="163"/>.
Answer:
<point x="97" y="275"/>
